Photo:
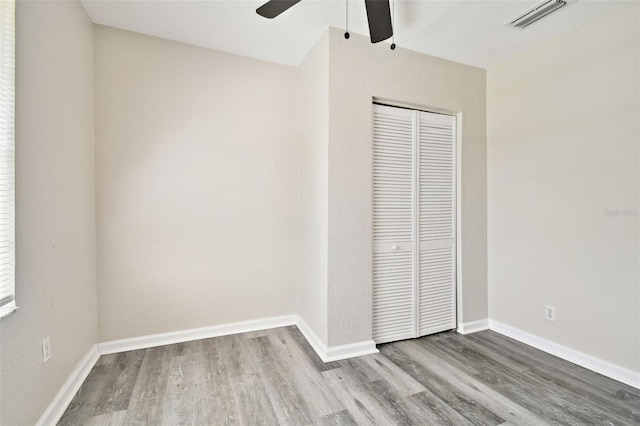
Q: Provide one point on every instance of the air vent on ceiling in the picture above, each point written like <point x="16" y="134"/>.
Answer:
<point x="536" y="13"/>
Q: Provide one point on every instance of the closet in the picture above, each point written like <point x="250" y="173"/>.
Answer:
<point x="414" y="223"/>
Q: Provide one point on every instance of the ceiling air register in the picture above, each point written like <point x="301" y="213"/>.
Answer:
<point x="536" y="13"/>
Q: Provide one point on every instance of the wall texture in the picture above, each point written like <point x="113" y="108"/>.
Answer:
<point x="360" y="71"/>
<point x="196" y="186"/>
<point x="313" y="187"/>
<point x="563" y="188"/>
<point x="55" y="227"/>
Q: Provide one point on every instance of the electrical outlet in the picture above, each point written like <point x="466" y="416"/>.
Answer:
<point x="550" y="313"/>
<point x="46" y="349"/>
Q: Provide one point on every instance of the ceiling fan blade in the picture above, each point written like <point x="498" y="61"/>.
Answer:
<point x="379" y="16"/>
<point x="273" y="8"/>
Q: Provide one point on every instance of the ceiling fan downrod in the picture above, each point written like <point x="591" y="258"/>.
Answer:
<point x="346" y="33"/>
<point x="393" y="25"/>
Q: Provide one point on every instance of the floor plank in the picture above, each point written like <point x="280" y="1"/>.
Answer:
<point x="341" y="418"/>
<point x="114" y="418"/>
<point x="146" y="404"/>
<point x="124" y="369"/>
<point x="274" y="377"/>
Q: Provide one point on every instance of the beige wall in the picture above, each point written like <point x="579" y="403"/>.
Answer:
<point x="563" y="136"/>
<point x="55" y="228"/>
<point x="358" y="72"/>
<point x="196" y="186"/>
<point x="313" y="187"/>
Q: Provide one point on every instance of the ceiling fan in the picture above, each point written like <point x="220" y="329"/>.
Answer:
<point x="378" y="15"/>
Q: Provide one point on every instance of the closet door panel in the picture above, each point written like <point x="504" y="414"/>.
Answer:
<point x="437" y="290"/>
<point x="393" y="224"/>
<point x="393" y="317"/>
<point x="436" y="224"/>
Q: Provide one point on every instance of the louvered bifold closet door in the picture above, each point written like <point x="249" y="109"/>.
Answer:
<point x="436" y="225"/>
<point x="393" y="224"/>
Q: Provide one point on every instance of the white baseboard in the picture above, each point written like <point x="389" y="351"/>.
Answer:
<point x="335" y="353"/>
<point x="351" y="350"/>
<point x="313" y="339"/>
<point x="161" y="339"/>
<point x="64" y="396"/>
<point x="605" y="368"/>
<point x="327" y="354"/>
<point x="473" y="326"/>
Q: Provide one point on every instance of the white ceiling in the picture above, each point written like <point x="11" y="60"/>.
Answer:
<point x="471" y="32"/>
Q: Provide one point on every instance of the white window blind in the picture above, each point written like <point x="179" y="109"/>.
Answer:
<point x="7" y="151"/>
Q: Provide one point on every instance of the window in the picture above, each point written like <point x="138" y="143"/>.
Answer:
<point x="7" y="155"/>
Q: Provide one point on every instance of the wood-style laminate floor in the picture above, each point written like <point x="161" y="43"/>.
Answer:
<point x="274" y="378"/>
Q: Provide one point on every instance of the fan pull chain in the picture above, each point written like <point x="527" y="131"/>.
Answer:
<point x="393" y="25"/>
<point x="346" y="34"/>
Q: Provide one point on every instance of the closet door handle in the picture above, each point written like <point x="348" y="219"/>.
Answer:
<point x="394" y="247"/>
